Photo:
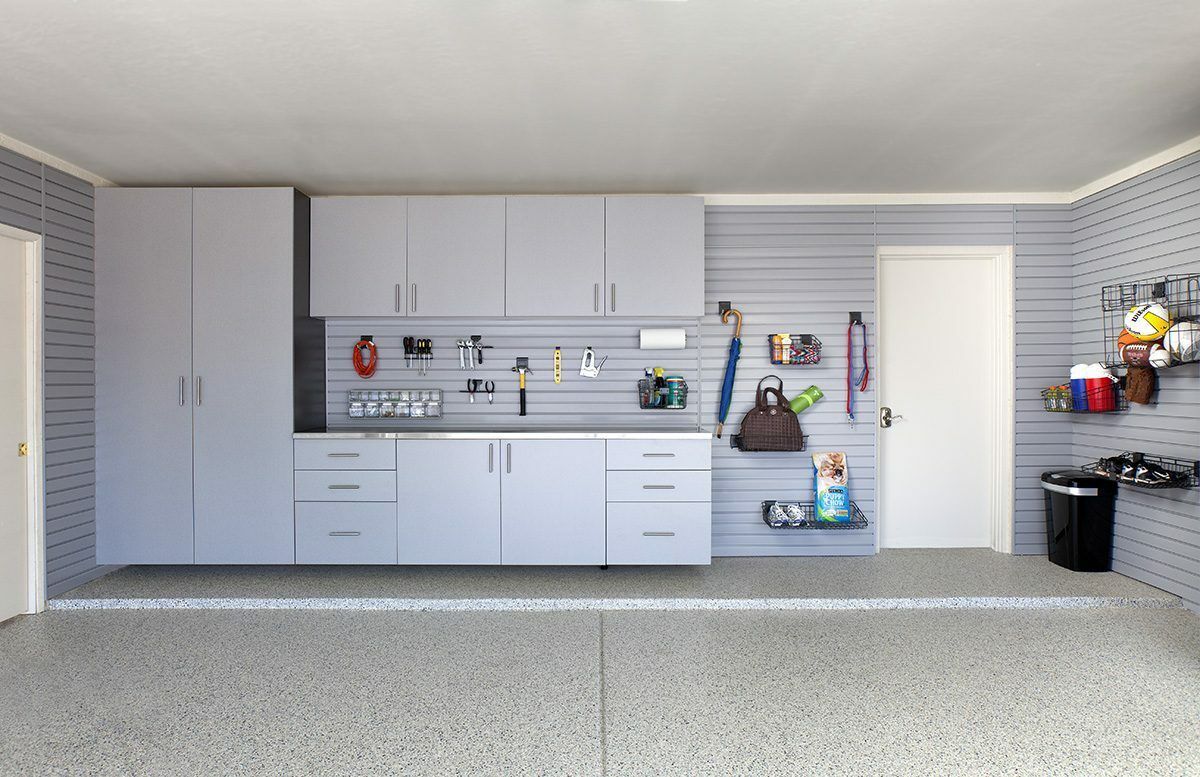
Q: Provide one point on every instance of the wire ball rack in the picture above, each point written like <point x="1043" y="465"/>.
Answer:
<point x="1179" y="294"/>
<point x="1101" y="399"/>
<point x="1185" y="472"/>
<point x="803" y="515"/>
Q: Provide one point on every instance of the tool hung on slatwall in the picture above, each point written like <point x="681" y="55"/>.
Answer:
<point x="860" y="380"/>
<point x="557" y="364"/>
<point x="589" y="367"/>
<point x="366" y="356"/>
<point x="522" y="369"/>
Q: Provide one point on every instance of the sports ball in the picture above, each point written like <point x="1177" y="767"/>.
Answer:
<point x="1147" y="322"/>
<point x="1159" y="356"/>
<point x="1123" y="342"/>
<point x="1138" y="354"/>
<point x="1183" y="341"/>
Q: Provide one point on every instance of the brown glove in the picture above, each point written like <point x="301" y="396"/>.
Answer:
<point x="1140" y="384"/>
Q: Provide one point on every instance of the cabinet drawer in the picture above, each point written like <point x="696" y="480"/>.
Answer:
<point x="346" y="486"/>
<point x="660" y="486"/>
<point x="659" y="533"/>
<point x="345" y="533"/>
<point x="659" y="454"/>
<point x="345" y="454"/>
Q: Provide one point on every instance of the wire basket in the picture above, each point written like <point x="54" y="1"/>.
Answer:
<point x="803" y="515"/>
<point x="1101" y="399"/>
<point x="794" y="350"/>
<point x="1179" y="294"/>
<point x="1185" y="472"/>
<point x="671" y="396"/>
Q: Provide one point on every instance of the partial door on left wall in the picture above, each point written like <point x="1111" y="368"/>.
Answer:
<point x="14" y="426"/>
<point x="144" y="376"/>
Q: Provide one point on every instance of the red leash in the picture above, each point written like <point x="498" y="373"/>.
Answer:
<point x="852" y="382"/>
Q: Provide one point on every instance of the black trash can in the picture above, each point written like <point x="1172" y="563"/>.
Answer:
<point x="1079" y="520"/>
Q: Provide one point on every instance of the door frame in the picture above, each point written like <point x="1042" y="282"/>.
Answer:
<point x="1003" y="399"/>
<point x="35" y="504"/>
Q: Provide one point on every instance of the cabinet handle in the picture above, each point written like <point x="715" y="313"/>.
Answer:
<point x="345" y="533"/>
<point x="344" y="487"/>
<point x="595" y="298"/>
<point x="342" y="455"/>
<point x="614" y="298"/>
<point x="397" y="298"/>
<point x="658" y="534"/>
<point x="658" y="488"/>
<point x="182" y="382"/>
<point x="414" y="298"/>
<point x="658" y="455"/>
<point x="199" y="390"/>
<point x="508" y="456"/>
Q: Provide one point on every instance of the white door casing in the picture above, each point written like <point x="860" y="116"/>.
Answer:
<point x="945" y="344"/>
<point x="22" y="545"/>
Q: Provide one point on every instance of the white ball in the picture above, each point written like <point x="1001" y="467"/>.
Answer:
<point x="1183" y="341"/>
<point x="1159" y="356"/>
<point x="1147" y="322"/>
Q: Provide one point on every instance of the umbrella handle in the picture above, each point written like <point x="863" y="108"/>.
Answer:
<point x="737" y="332"/>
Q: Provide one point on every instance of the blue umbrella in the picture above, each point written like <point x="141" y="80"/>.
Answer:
<point x="735" y="351"/>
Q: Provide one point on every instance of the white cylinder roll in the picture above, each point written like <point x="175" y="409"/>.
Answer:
<point x="663" y="339"/>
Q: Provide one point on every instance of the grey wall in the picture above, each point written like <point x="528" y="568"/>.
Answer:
<point x="1145" y="227"/>
<point x="46" y="201"/>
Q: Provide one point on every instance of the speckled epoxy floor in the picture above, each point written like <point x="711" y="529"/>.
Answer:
<point x="891" y="573"/>
<point x="1100" y="691"/>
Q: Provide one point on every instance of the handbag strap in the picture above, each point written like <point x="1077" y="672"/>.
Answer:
<point x="761" y="394"/>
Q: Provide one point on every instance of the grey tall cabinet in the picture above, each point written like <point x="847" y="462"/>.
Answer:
<point x="203" y="373"/>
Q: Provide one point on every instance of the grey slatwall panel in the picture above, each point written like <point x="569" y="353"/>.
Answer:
<point x="1043" y="259"/>
<point x="788" y="269"/>
<point x="1144" y="227"/>
<point x="609" y="401"/>
<point x="59" y="206"/>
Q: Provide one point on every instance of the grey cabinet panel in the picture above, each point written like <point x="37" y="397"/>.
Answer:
<point x="242" y="261"/>
<point x="554" y="256"/>
<point x="659" y="533"/>
<point x="359" y="256"/>
<point x="345" y="454"/>
<point x="143" y="376"/>
<point x="654" y="256"/>
<point x="552" y="502"/>
<point x="456" y="256"/>
<point x="338" y="533"/>
<point x="329" y="485"/>
<point x="659" y="454"/>
<point x="449" y="501"/>
<point x="693" y="485"/>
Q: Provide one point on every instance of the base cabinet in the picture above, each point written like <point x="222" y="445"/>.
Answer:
<point x="449" y="501"/>
<point x="332" y="533"/>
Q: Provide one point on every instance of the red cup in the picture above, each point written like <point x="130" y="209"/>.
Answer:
<point x="1101" y="394"/>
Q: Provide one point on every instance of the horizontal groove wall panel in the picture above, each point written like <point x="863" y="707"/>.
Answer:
<point x="1143" y="228"/>
<point x="58" y="206"/>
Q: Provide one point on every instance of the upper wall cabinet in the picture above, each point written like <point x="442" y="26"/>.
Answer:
<point x="456" y="256"/>
<point x="555" y="256"/>
<point x="654" y="256"/>
<point x="359" y="256"/>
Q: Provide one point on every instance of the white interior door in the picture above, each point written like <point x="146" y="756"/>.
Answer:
<point x="14" y="409"/>
<point x="937" y="343"/>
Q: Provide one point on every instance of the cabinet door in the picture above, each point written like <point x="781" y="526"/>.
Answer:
<point x="456" y="256"/>
<point x="654" y="256"/>
<point x="359" y="256"/>
<point x="449" y="501"/>
<point x="242" y="260"/>
<point x="555" y="256"/>
<point x="552" y="502"/>
<point x="143" y="376"/>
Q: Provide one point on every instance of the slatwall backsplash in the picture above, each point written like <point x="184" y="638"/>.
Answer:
<point x="46" y="201"/>
<point x="608" y="401"/>
<point x="1145" y="227"/>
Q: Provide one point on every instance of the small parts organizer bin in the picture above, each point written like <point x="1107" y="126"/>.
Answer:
<point x="802" y="515"/>
<point x="1108" y="398"/>
<point x="672" y="395"/>
<point x="797" y="350"/>
<point x="395" y="403"/>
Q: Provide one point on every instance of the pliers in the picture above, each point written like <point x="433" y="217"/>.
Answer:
<point x="490" y="388"/>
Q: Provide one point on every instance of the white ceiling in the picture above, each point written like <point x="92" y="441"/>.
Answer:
<point x="365" y="96"/>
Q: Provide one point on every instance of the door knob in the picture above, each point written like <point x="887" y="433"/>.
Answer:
<point x="886" y="417"/>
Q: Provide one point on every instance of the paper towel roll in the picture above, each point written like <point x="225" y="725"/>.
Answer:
<point x="663" y="339"/>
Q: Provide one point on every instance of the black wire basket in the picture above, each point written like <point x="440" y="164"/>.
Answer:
<point x="1179" y="294"/>
<point x="803" y="515"/>
<point x="1102" y="399"/>
<point x="798" y="351"/>
<point x="1185" y="472"/>
<point x="654" y="397"/>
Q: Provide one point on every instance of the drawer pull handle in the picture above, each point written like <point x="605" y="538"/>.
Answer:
<point x="659" y="488"/>
<point x="345" y="534"/>
<point x="345" y="487"/>
<point x="342" y="455"/>
<point x="658" y="534"/>
<point x="658" y="455"/>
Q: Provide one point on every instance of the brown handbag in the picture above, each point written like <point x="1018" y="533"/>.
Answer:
<point x="770" y="427"/>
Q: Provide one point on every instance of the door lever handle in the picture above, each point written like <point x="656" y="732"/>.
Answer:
<point x="886" y="417"/>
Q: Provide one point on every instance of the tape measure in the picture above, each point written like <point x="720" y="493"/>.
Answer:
<point x="557" y="364"/>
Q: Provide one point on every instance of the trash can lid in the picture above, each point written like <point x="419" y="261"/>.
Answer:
<point x="1075" y="478"/>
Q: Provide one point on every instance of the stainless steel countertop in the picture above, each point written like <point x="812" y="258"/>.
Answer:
<point x="508" y="434"/>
